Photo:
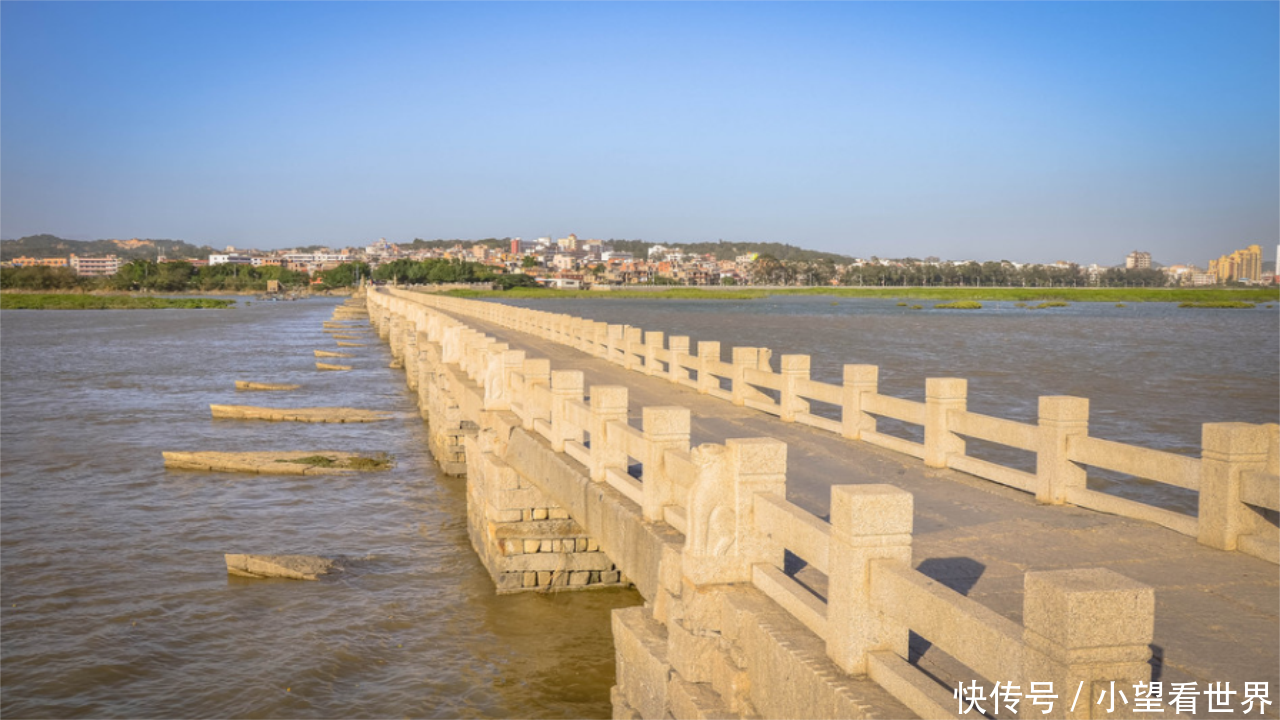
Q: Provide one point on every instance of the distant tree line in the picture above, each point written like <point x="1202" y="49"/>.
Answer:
<point x="770" y="270"/>
<point x="149" y="275"/>
<point x="423" y="272"/>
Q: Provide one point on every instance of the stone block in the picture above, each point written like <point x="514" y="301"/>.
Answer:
<point x="531" y="546"/>
<point x="702" y="607"/>
<point x="540" y="513"/>
<point x="530" y="579"/>
<point x="579" y="578"/>
<point x="622" y="710"/>
<point x="691" y="651"/>
<point x="697" y="701"/>
<point x="643" y="670"/>
<point x="871" y="510"/>
<point x="1091" y="608"/>
<point x="544" y="578"/>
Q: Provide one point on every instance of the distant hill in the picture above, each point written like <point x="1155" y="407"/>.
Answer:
<point x="420" y="244"/>
<point x="729" y="250"/>
<point x="40" y="246"/>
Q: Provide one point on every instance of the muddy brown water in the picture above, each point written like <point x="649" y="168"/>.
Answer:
<point x="115" y="598"/>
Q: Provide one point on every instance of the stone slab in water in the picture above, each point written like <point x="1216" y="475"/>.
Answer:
<point x="331" y="366"/>
<point x="330" y="353"/>
<point x="248" y="385"/>
<point x="295" y="567"/>
<point x="263" y="463"/>
<point x="314" y="414"/>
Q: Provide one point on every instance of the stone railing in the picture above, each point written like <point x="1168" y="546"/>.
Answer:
<point x="728" y="501"/>
<point x="1237" y="476"/>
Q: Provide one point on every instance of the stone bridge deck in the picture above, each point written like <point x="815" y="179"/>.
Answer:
<point x="1216" y="616"/>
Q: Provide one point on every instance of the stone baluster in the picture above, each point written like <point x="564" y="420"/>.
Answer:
<point x="678" y="351"/>
<point x="665" y="428"/>
<point x="794" y="369"/>
<point x="537" y="372"/>
<point x="860" y="382"/>
<point x="613" y="343"/>
<point x="942" y="395"/>
<point x="1061" y="418"/>
<point x="744" y="358"/>
<point x="1084" y="629"/>
<point x="634" y="348"/>
<point x="1228" y="450"/>
<point x="608" y="404"/>
<point x="708" y="355"/>
<point x="566" y="385"/>
<point x="869" y="524"/>
<point x="653" y="342"/>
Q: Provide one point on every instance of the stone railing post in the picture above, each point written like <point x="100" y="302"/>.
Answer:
<point x="744" y="358"/>
<point x="793" y="369"/>
<point x="868" y="523"/>
<point x="942" y="395"/>
<point x="608" y="404"/>
<point x="599" y="339"/>
<point x="722" y="543"/>
<point x="566" y="385"/>
<point x="633" y="348"/>
<point x="652" y="345"/>
<point x="860" y="382"/>
<point x="1084" y="629"/>
<point x="665" y="428"/>
<point x="614" y="343"/>
<point x="1061" y="418"/>
<point x="708" y="354"/>
<point x="1228" y="450"/>
<point x="677" y="348"/>
<point x="537" y="371"/>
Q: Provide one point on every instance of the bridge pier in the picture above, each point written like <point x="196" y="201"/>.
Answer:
<point x="525" y="540"/>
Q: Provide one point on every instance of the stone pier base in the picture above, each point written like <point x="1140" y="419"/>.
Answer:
<point x="526" y="541"/>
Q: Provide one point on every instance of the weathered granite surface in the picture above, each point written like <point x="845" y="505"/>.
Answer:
<point x="249" y="385"/>
<point x="263" y="463"/>
<point x="313" y="414"/>
<point x="295" y="567"/>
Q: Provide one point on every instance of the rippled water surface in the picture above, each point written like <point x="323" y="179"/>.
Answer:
<point x="1153" y="372"/>
<point x="115" y="597"/>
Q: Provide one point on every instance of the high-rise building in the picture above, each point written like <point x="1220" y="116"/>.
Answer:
<point x="1241" y="266"/>
<point x="1138" y="260"/>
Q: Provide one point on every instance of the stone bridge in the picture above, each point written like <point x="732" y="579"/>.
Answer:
<point x="797" y="561"/>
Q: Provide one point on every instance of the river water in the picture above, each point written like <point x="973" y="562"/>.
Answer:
<point x="115" y="597"/>
<point x="1153" y="372"/>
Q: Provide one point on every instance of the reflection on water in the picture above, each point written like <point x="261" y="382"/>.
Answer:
<point x="116" y="601"/>
<point x="1153" y="372"/>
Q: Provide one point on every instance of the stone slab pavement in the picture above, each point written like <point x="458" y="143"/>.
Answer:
<point x="1217" y="613"/>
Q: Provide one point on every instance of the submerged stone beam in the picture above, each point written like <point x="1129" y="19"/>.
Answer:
<point x="315" y="414"/>
<point x="247" y="385"/>
<point x="296" y="462"/>
<point x="330" y="353"/>
<point x="331" y="366"/>
<point x="294" y="567"/>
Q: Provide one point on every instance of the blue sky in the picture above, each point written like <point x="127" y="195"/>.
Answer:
<point x="1023" y="131"/>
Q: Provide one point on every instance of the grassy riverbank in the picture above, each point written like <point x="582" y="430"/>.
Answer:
<point x="976" y="294"/>
<point x="57" y="301"/>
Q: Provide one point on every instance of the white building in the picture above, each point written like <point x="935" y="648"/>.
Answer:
<point x="230" y="259"/>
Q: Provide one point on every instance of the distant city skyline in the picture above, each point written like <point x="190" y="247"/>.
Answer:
<point x="1032" y="132"/>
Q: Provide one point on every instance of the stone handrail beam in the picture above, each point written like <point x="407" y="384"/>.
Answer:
<point x="1228" y="514"/>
